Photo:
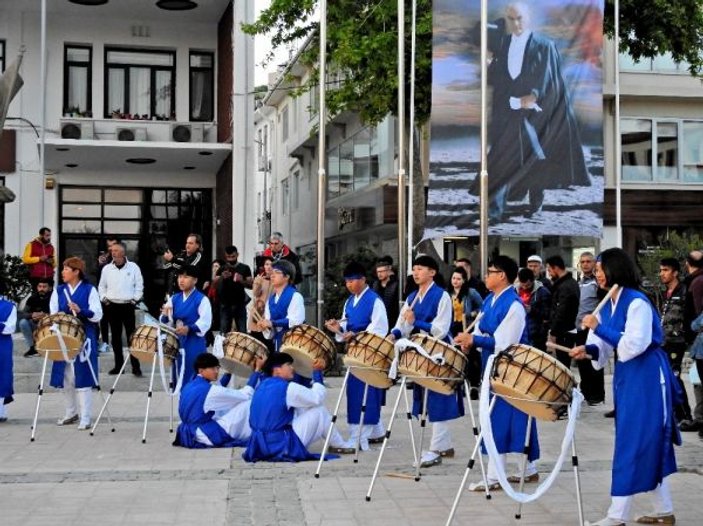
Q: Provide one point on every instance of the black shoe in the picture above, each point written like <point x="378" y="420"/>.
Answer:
<point x="31" y="352"/>
<point x="688" y="425"/>
<point x="595" y="402"/>
<point x="473" y="393"/>
<point x="610" y="414"/>
<point x="114" y="371"/>
<point x="137" y="373"/>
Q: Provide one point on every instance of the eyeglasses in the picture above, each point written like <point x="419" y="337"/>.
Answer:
<point x="493" y="271"/>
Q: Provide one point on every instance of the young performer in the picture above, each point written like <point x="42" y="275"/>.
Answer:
<point x="644" y="391"/>
<point x="285" y="308"/>
<point x="285" y="417"/>
<point x="192" y="315"/>
<point x="363" y="311"/>
<point x="431" y="314"/>
<point x="8" y="320"/>
<point x="77" y="297"/>
<point x="503" y="324"/>
<point x="213" y="415"/>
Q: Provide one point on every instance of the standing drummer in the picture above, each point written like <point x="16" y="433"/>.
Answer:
<point x="363" y="311"/>
<point x="431" y="314"/>
<point x="192" y="316"/>
<point x="78" y="297"/>
<point x="503" y="324"/>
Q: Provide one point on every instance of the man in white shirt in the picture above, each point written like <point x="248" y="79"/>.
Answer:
<point x="121" y="287"/>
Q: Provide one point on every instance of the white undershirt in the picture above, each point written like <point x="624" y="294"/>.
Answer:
<point x="295" y="313"/>
<point x="93" y="301"/>
<point x="440" y="325"/>
<point x="510" y="329"/>
<point x="379" y="319"/>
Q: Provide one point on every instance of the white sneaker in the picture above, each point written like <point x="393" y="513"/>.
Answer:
<point x="83" y="426"/>
<point x="103" y="347"/>
<point x="64" y="421"/>
<point x="428" y="459"/>
<point x="606" y="521"/>
<point x="480" y="486"/>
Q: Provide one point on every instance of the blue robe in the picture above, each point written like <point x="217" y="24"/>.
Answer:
<point x="192" y="343"/>
<point x="279" y="320"/>
<point x="644" y="442"/>
<point x="358" y="319"/>
<point x="440" y="407"/>
<point x="6" y="387"/>
<point x="80" y="296"/>
<point x="193" y="416"/>
<point x="509" y="423"/>
<point x="271" y="421"/>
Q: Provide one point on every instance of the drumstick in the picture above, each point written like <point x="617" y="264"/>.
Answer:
<point x="69" y="300"/>
<point x="473" y="323"/>
<point x="564" y="348"/>
<point x="609" y="295"/>
<point x="400" y="475"/>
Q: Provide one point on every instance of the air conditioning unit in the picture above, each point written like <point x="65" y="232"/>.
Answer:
<point x="76" y="129"/>
<point x="130" y="134"/>
<point x="192" y="132"/>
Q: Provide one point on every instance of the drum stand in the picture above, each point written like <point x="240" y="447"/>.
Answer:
<point x="423" y="418"/>
<point x="526" y="449"/>
<point x="357" y="446"/>
<point x="148" y="400"/>
<point x="40" y="392"/>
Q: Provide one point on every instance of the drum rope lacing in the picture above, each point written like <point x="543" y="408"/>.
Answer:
<point x="84" y="353"/>
<point x="489" y="442"/>
<point x="537" y="376"/>
<point x="402" y="346"/>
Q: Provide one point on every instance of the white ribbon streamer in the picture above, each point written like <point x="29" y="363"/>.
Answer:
<point x="62" y="344"/>
<point x="218" y="349"/>
<point x="489" y="442"/>
<point x="153" y="322"/>
<point x="402" y="346"/>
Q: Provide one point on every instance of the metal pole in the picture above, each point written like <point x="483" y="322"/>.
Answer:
<point x="411" y="144"/>
<point x="483" y="201"/>
<point x="402" y="239"/>
<point x="321" y="173"/>
<point x="42" y="137"/>
<point x="618" y="154"/>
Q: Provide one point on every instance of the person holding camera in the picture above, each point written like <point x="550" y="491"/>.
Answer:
<point x="191" y="256"/>
<point x="233" y="299"/>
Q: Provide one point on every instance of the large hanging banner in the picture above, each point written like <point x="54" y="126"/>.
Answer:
<point x="545" y="118"/>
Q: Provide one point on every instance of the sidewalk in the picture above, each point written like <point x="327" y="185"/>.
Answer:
<point x="69" y="477"/>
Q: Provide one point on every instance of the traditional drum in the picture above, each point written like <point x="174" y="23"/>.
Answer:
<point x="47" y="342"/>
<point x="369" y="356"/>
<point x="533" y="381"/>
<point x="442" y="378"/>
<point x="305" y="344"/>
<point x="143" y="344"/>
<point x="241" y="351"/>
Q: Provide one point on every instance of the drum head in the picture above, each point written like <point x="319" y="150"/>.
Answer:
<point x="539" y="410"/>
<point x="236" y="368"/>
<point x="302" y="361"/>
<point x="51" y="347"/>
<point x="438" y="386"/>
<point x="147" y="357"/>
<point x="374" y="377"/>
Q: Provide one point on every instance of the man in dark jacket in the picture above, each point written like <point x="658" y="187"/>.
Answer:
<point x="386" y="286"/>
<point x="278" y="250"/>
<point x="36" y="307"/>
<point x="694" y="301"/>
<point x="565" y="307"/>
<point x="537" y="300"/>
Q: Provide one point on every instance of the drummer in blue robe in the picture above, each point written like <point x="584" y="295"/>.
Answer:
<point x="213" y="415"/>
<point x="503" y="323"/>
<point x="8" y="321"/>
<point x="431" y="314"/>
<point x="363" y="311"/>
<point x="78" y="297"/>
<point x="191" y="313"/>
<point x="645" y="392"/>
<point x="286" y="417"/>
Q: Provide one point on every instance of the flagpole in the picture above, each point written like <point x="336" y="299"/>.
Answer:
<point x="411" y="145"/>
<point x="401" y="153"/>
<point x="321" y="170"/>
<point x="42" y="137"/>
<point x="618" y="145"/>
<point x="483" y="201"/>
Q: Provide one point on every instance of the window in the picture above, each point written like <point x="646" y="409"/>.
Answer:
<point x="140" y="83"/>
<point x="2" y="56"/>
<point x="659" y="64"/>
<point x="662" y="150"/>
<point x="284" y="124"/>
<point x="202" y="83"/>
<point x="313" y="101"/>
<point x="285" y="194"/>
<point x="77" y="80"/>
<point x="295" y="191"/>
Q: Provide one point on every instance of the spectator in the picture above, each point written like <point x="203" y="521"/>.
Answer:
<point x="120" y="289"/>
<point x="694" y="303"/>
<point x="104" y="259"/>
<point x="592" y="382"/>
<point x="536" y="299"/>
<point x="261" y="289"/>
<point x="191" y="256"/>
<point x="534" y="263"/>
<point x="36" y="307"/>
<point x="565" y="307"/>
<point x="674" y="345"/>
<point x="466" y="301"/>
<point x="473" y="282"/>
<point x="211" y="292"/>
<point x="278" y="250"/>
<point x="40" y="256"/>
<point x="386" y="286"/>
<point x="233" y="299"/>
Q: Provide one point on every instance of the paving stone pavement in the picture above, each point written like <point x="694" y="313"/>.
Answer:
<point x="69" y="477"/>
